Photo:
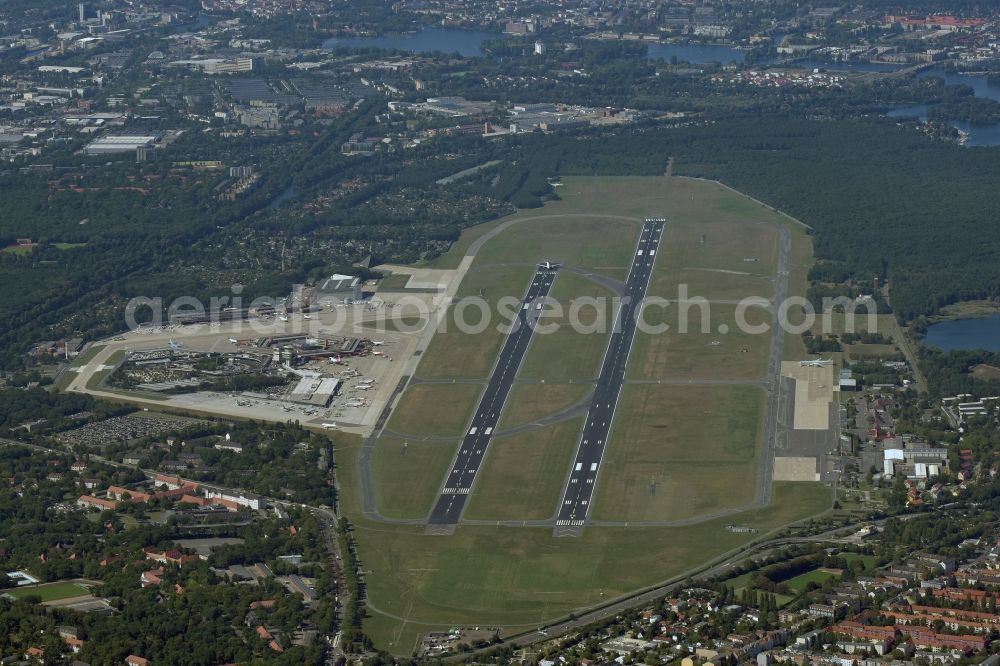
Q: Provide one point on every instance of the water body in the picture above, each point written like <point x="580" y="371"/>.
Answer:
<point x="965" y="334"/>
<point x="427" y="40"/>
<point x="978" y="135"/>
<point x="977" y="82"/>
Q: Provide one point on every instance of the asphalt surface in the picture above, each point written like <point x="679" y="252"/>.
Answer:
<point x="582" y="479"/>
<point x="451" y="502"/>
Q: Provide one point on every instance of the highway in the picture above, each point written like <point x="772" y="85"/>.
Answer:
<point x="582" y="478"/>
<point x="458" y="484"/>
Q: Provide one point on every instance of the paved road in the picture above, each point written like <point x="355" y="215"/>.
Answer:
<point x="582" y="479"/>
<point x="451" y="502"/>
<point x="765" y="470"/>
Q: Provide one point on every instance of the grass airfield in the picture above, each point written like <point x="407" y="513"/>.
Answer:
<point x="685" y="443"/>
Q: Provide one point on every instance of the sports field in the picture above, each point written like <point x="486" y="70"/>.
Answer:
<point x="685" y="443"/>
<point x="49" y="592"/>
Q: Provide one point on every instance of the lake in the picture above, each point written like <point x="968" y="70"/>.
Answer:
<point x="965" y="334"/>
<point x="979" y="135"/>
<point x="427" y="40"/>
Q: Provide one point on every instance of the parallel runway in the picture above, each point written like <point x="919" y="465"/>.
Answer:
<point x="579" y="488"/>
<point x="451" y="502"/>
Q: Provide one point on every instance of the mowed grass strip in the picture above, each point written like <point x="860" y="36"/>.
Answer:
<point x="703" y="341"/>
<point x="573" y="333"/>
<point x="680" y="451"/>
<point x="506" y="577"/>
<point x="460" y="352"/>
<point x="733" y="246"/>
<point x="435" y="410"/>
<point x="710" y="284"/>
<point x="601" y="244"/>
<point x="529" y="402"/>
<point x="523" y="474"/>
<point x="800" y="582"/>
<point x="408" y="475"/>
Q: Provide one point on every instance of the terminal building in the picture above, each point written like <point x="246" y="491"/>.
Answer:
<point x="315" y="391"/>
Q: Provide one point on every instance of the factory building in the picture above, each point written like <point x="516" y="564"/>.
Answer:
<point x="917" y="463"/>
<point x="110" y="145"/>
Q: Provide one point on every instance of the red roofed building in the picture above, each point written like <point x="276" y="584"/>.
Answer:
<point x="120" y="493"/>
<point x="152" y="577"/>
<point x="91" y="502"/>
<point x="264" y="603"/>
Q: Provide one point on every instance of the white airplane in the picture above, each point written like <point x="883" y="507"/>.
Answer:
<point x="378" y="353"/>
<point x="234" y="340"/>
<point x="816" y="362"/>
<point x="305" y="316"/>
<point x="176" y="346"/>
<point x="283" y="317"/>
<point x="548" y="265"/>
<point x="329" y="425"/>
<point x="378" y="343"/>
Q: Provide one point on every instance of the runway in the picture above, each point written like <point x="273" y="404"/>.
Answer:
<point x="582" y="479"/>
<point x="451" y="502"/>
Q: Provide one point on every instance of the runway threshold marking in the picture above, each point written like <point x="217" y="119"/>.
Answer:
<point x="575" y="504"/>
<point x="450" y="504"/>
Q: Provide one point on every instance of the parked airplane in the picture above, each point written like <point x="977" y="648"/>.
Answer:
<point x="234" y="340"/>
<point x="816" y="362"/>
<point x="176" y="346"/>
<point x="378" y="353"/>
<point x="329" y="425"/>
<point x="378" y="343"/>
<point x="283" y="317"/>
<point x="305" y="316"/>
<point x="548" y="265"/>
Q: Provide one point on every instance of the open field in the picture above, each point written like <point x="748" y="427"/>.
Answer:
<point x="455" y="354"/>
<point x="800" y="582"/>
<point x="517" y="578"/>
<point x="435" y="410"/>
<point x="867" y="560"/>
<point x="733" y="247"/>
<point x="49" y="592"/>
<point x="679" y="451"/>
<point x="580" y="327"/>
<point x="601" y="244"/>
<point x="535" y="463"/>
<point x="967" y="310"/>
<point x="410" y="474"/>
<point x="988" y="372"/>
<point x="713" y="346"/>
<point x="529" y="402"/>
